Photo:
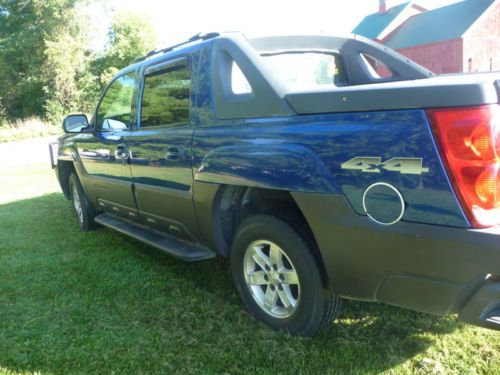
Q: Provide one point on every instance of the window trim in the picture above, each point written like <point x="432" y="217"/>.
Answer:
<point x="158" y="67"/>
<point x="131" y="124"/>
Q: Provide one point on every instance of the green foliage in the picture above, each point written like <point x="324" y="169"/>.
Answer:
<point x="65" y="71"/>
<point x="25" y="27"/>
<point x="130" y="36"/>
<point x="46" y="64"/>
<point x="3" y="117"/>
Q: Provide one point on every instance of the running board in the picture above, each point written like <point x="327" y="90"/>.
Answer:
<point x="177" y="248"/>
<point x="493" y="317"/>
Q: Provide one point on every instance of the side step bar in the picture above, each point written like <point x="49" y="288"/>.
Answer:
<point x="494" y="317"/>
<point x="170" y="245"/>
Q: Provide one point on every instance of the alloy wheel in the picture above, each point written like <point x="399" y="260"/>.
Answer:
<point x="271" y="278"/>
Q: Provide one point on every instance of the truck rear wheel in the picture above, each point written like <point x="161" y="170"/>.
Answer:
<point x="84" y="212"/>
<point x="278" y="278"/>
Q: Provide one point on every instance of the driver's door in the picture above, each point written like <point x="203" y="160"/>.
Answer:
<point x="104" y="153"/>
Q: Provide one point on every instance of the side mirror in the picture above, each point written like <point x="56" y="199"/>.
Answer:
<point x="75" y="123"/>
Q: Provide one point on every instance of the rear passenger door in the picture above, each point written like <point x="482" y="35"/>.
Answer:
<point x="161" y="149"/>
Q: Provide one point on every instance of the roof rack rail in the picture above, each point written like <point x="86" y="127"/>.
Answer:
<point x="194" y="38"/>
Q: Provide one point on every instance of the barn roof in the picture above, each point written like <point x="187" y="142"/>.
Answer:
<point x="446" y="23"/>
<point x="374" y="24"/>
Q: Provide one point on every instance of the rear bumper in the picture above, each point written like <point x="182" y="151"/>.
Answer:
<point x="428" y="268"/>
<point x="483" y="308"/>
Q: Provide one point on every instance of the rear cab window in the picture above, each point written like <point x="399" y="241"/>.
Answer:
<point x="307" y="70"/>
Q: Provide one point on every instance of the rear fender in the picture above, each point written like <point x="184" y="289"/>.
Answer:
<point x="285" y="166"/>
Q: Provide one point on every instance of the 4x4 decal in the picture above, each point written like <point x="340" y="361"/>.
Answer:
<point x="375" y="165"/>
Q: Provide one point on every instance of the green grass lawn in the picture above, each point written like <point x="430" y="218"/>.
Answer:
<point x="99" y="302"/>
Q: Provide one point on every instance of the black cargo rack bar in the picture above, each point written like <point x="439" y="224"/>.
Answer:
<point x="194" y="38"/>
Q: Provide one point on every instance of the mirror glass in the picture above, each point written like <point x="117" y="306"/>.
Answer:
<point x="75" y="123"/>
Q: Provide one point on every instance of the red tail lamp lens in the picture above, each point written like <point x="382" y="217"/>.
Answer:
<point x="488" y="187"/>
<point x="480" y="142"/>
<point x="469" y="142"/>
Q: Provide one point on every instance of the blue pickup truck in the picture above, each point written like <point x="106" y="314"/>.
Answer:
<point x="323" y="167"/>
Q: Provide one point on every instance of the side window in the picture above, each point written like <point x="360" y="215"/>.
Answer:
<point x="115" y="107"/>
<point x="166" y="95"/>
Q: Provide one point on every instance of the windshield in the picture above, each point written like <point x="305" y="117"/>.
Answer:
<point x="307" y="70"/>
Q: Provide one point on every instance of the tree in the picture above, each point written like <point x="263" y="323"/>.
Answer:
<point x="25" y="27"/>
<point x="130" y="36"/>
<point x="46" y="66"/>
<point x="69" y="85"/>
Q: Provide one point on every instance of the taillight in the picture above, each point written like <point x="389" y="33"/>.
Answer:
<point x="469" y="142"/>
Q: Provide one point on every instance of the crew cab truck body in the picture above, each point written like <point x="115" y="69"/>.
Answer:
<point x="324" y="167"/>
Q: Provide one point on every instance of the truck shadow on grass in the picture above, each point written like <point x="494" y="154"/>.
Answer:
<point x="100" y="302"/>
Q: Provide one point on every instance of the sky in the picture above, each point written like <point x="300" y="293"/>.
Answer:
<point x="177" y="20"/>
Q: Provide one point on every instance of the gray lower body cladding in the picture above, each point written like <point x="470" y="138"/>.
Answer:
<point x="434" y="269"/>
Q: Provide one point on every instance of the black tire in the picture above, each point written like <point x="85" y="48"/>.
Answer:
<point x="316" y="307"/>
<point x="86" y="217"/>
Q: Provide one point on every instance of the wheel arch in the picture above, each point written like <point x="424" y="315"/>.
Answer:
<point x="64" y="170"/>
<point x="231" y="204"/>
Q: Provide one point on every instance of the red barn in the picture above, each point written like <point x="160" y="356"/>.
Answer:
<point x="461" y="37"/>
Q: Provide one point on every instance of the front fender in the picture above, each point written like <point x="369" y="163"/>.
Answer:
<point x="285" y="166"/>
<point x="67" y="148"/>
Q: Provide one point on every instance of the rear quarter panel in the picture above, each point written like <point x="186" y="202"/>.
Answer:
<point x="305" y="154"/>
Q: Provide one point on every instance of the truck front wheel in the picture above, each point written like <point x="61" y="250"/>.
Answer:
<point x="278" y="279"/>
<point x="84" y="212"/>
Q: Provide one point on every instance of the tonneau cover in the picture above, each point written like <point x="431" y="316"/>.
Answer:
<point x="457" y="90"/>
